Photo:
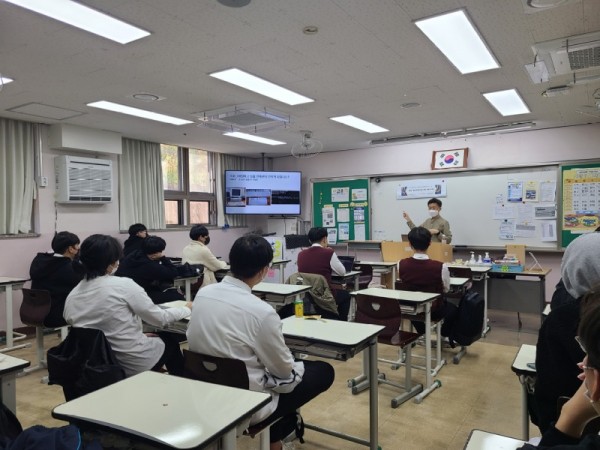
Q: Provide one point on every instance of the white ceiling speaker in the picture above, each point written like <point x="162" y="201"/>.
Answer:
<point x="307" y="147"/>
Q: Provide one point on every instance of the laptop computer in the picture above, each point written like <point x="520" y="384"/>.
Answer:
<point x="347" y="261"/>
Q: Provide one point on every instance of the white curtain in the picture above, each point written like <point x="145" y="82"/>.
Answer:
<point x="227" y="162"/>
<point x="141" y="195"/>
<point x="18" y="142"/>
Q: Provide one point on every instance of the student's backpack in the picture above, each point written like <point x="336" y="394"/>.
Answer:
<point x="469" y="320"/>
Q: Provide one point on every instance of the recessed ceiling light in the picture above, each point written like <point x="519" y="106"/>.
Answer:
<point x="508" y="102"/>
<point x="115" y="107"/>
<point x="457" y="38"/>
<point x="363" y="125"/>
<point x="253" y="137"/>
<point x="85" y="18"/>
<point x="260" y="86"/>
<point x="5" y="80"/>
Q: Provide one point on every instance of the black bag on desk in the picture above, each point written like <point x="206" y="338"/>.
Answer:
<point x="469" y="320"/>
<point x="189" y="270"/>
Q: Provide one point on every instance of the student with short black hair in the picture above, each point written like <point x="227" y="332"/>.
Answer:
<point x="117" y="306"/>
<point x="321" y="259"/>
<point x="54" y="272"/>
<point x="153" y="271"/>
<point x="426" y="275"/>
<point x="228" y="321"/>
<point x="137" y="233"/>
<point x="197" y="252"/>
<point x="436" y="224"/>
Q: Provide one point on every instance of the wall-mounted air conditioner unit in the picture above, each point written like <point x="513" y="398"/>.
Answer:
<point x="570" y="55"/>
<point x="83" y="180"/>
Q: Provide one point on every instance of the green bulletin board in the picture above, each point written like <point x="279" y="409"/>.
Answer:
<point x="342" y="206"/>
<point x="580" y="194"/>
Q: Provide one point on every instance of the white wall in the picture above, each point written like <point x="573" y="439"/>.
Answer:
<point x="525" y="148"/>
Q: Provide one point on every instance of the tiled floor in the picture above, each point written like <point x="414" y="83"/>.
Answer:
<point x="481" y="392"/>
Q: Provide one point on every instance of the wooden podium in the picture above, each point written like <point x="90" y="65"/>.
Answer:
<point x="395" y="251"/>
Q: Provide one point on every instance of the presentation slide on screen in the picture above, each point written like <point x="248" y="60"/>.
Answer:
<point x="255" y="192"/>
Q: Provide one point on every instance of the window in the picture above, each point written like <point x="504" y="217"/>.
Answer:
<point x="188" y="181"/>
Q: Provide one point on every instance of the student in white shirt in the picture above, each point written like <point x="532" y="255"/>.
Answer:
<point x="117" y="306"/>
<point x="229" y="321"/>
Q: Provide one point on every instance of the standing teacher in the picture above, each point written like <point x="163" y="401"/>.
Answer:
<point x="436" y="224"/>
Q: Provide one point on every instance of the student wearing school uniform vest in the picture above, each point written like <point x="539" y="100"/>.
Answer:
<point x="320" y="259"/>
<point x="425" y="274"/>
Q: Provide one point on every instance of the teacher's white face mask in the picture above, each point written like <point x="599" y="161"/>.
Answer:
<point x="433" y="212"/>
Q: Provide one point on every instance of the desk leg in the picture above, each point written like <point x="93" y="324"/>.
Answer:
<point x="525" y="411"/>
<point x="373" y="395"/>
<point x="394" y="277"/>
<point x="430" y="385"/>
<point x="486" y="328"/>
<point x="281" y="275"/>
<point x="188" y="290"/>
<point x="228" y="441"/>
<point x="542" y="298"/>
<point x="9" y="394"/>
<point x="10" y="339"/>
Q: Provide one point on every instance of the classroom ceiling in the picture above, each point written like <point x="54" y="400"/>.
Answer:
<point x="367" y="59"/>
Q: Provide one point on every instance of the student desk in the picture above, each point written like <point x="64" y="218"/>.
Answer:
<point x="413" y="303"/>
<point x="166" y="411"/>
<point x="353" y="275"/>
<point x="187" y="282"/>
<point x="8" y="284"/>
<point x="482" y="440"/>
<point x="339" y="340"/>
<point x="280" y="264"/>
<point x="458" y="282"/>
<point x="526" y="374"/>
<point x="520" y="292"/>
<point x="280" y="294"/>
<point x="9" y="367"/>
<point x="382" y="268"/>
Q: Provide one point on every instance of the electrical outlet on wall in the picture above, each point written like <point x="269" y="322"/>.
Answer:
<point x="42" y="181"/>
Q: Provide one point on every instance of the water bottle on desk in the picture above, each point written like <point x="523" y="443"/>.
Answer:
<point x="472" y="261"/>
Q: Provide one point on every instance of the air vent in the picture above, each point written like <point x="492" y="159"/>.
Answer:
<point x="570" y="55"/>
<point x="243" y="117"/>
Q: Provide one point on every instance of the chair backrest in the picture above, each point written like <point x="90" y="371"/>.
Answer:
<point x="461" y="272"/>
<point x="347" y="261"/>
<point x="213" y="369"/>
<point x="320" y="294"/>
<point x="366" y="275"/>
<point x="379" y="311"/>
<point x="35" y="307"/>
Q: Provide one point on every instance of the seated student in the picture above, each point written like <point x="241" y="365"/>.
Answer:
<point x="137" y="234"/>
<point x="557" y="352"/>
<point x="584" y="405"/>
<point x="197" y="252"/>
<point x="117" y="306"/>
<point x="153" y="271"/>
<point x="229" y="321"/>
<point x="426" y="275"/>
<point x="55" y="273"/>
<point x="319" y="258"/>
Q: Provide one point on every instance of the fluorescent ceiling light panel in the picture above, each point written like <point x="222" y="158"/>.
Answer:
<point x="360" y="124"/>
<point x="253" y="137"/>
<point x="5" y="80"/>
<point x="86" y="18"/>
<point x="508" y="103"/>
<point x="115" y="107"/>
<point x="456" y="37"/>
<point x="260" y="86"/>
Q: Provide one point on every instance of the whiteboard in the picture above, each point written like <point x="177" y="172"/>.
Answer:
<point x="471" y="198"/>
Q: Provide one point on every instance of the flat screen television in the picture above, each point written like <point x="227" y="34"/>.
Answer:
<point x="260" y="192"/>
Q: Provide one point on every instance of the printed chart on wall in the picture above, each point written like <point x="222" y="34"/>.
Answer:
<point x="581" y="200"/>
<point x="342" y="206"/>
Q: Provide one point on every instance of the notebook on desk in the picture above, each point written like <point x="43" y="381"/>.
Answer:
<point x="348" y="262"/>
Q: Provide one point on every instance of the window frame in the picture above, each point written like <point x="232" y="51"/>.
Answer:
<point x="184" y="196"/>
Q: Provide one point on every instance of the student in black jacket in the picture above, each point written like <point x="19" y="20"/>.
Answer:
<point x="153" y="271"/>
<point x="584" y="405"/>
<point x="137" y="233"/>
<point x="54" y="272"/>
